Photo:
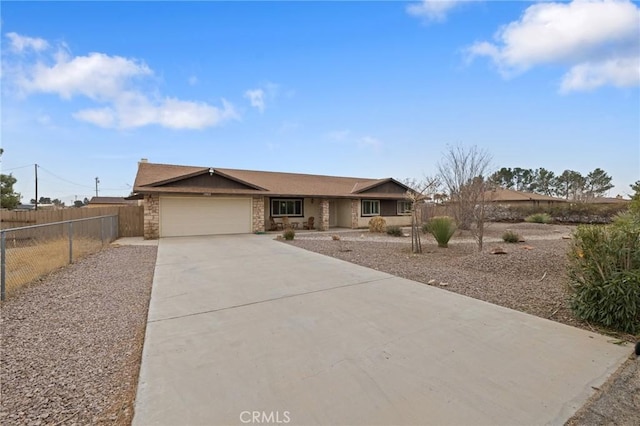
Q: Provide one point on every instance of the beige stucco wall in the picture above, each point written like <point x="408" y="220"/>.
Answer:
<point x="344" y="213"/>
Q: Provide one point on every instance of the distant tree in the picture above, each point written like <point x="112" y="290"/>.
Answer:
<point x="57" y="202"/>
<point x="42" y="200"/>
<point x="502" y="178"/>
<point x="543" y="181"/>
<point x="569" y="185"/>
<point x="9" y="198"/>
<point x="597" y="183"/>
<point x="85" y="201"/>
<point x="78" y="203"/>
<point x="522" y="179"/>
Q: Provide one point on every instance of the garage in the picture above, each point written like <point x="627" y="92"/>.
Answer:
<point x="185" y="216"/>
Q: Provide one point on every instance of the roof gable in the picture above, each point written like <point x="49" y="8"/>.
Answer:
<point x="382" y="186"/>
<point x="207" y="179"/>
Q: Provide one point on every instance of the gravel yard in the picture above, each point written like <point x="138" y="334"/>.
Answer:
<point x="71" y="343"/>
<point x="530" y="278"/>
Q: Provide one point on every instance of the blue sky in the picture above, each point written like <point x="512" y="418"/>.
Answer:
<point x="371" y="89"/>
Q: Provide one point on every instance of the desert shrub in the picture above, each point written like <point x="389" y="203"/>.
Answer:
<point x="394" y="230"/>
<point x="289" y="234"/>
<point x="425" y="228"/>
<point x="604" y="274"/>
<point x="510" y="237"/>
<point x="539" y="218"/>
<point x="377" y="224"/>
<point x="442" y="229"/>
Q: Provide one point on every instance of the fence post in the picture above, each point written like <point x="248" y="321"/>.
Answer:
<point x="3" y="268"/>
<point x="70" y="242"/>
<point x="102" y="230"/>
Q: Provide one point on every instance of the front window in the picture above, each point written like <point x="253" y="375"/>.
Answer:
<point x="404" y="207"/>
<point x="290" y="207"/>
<point x="370" y="207"/>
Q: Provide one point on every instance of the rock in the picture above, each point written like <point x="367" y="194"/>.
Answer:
<point x="498" y="250"/>
<point x="521" y="240"/>
<point x="444" y="284"/>
<point x="335" y="237"/>
<point x="527" y="247"/>
<point x="431" y="282"/>
<point x="566" y="237"/>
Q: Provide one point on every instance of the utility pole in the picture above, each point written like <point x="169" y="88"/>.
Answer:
<point x="36" y="169"/>
<point x="97" y="182"/>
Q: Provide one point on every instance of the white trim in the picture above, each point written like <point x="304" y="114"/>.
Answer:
<point x="374" y="202"/>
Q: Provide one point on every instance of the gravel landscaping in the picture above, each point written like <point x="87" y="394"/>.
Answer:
<point x="530" y="277"/>
<point x="72" y="341"/>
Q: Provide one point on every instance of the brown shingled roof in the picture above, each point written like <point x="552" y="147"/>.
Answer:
<point x="507" y="195"/>
<point x="151" y="175"/>
<point x="111" y="200"/>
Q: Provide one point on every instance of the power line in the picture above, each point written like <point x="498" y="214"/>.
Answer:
<point x="65" y="180"/>
<point x="16" y="168"/>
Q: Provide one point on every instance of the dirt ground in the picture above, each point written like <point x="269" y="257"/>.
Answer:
<point x="530" y="277"/>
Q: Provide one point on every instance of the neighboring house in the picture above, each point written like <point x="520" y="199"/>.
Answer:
<point x="510" y="197"/>
<point x="111" y="202"/>
<point x="608" y="200"/>
<point x="185" y="200"/>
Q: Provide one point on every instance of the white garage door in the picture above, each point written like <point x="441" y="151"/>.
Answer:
<point x="183" y="216"/>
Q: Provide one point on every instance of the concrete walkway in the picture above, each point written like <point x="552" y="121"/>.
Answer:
<point x="244" y="329"/>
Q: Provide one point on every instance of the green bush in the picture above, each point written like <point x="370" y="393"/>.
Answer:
<point x="289" y="234"/>
<point x="377" y="224"/>
<point x="510" y="237"/>
<point x="539" y="218"/>
<point x="604" y="274"/>
<point x="442" y="229"/>
<point x="394" y="230"/>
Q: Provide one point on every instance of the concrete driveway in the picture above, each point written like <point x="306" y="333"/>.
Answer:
<point x="245" y="330"/>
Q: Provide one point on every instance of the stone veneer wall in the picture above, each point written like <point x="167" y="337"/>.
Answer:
<point x="258" y="214"/>
<point x="354" y="213"/>
<point x="151" y="216"/>
<point x="323" y="211"/>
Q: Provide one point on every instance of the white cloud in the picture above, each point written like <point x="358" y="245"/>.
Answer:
<point x="597" y="39"/>
<point x="96" y="76"/>
<point x="433" y="10"/>
<point x="103" y="117"/>
<point x="370" y="142"/>
<point x="623" y="72"/>
<point x="115" y="84"/>
<point x="135" y="111"/>
<point x="339" y="135"/>
<point x="261" y="96"/>
<point x="256" y="98"/>
<point x="20" y="43"/>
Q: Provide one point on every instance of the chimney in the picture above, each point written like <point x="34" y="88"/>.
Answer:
<point x="143" y="160"/>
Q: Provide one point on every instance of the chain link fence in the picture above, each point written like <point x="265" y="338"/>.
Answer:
<point x="29" y="252"/>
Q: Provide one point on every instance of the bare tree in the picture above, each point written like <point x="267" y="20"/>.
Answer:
<point x="420" y="191"/>
<point x="462" y="172"/>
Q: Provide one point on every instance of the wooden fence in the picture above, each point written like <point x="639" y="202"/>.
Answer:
<point x="130" y="218"/>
